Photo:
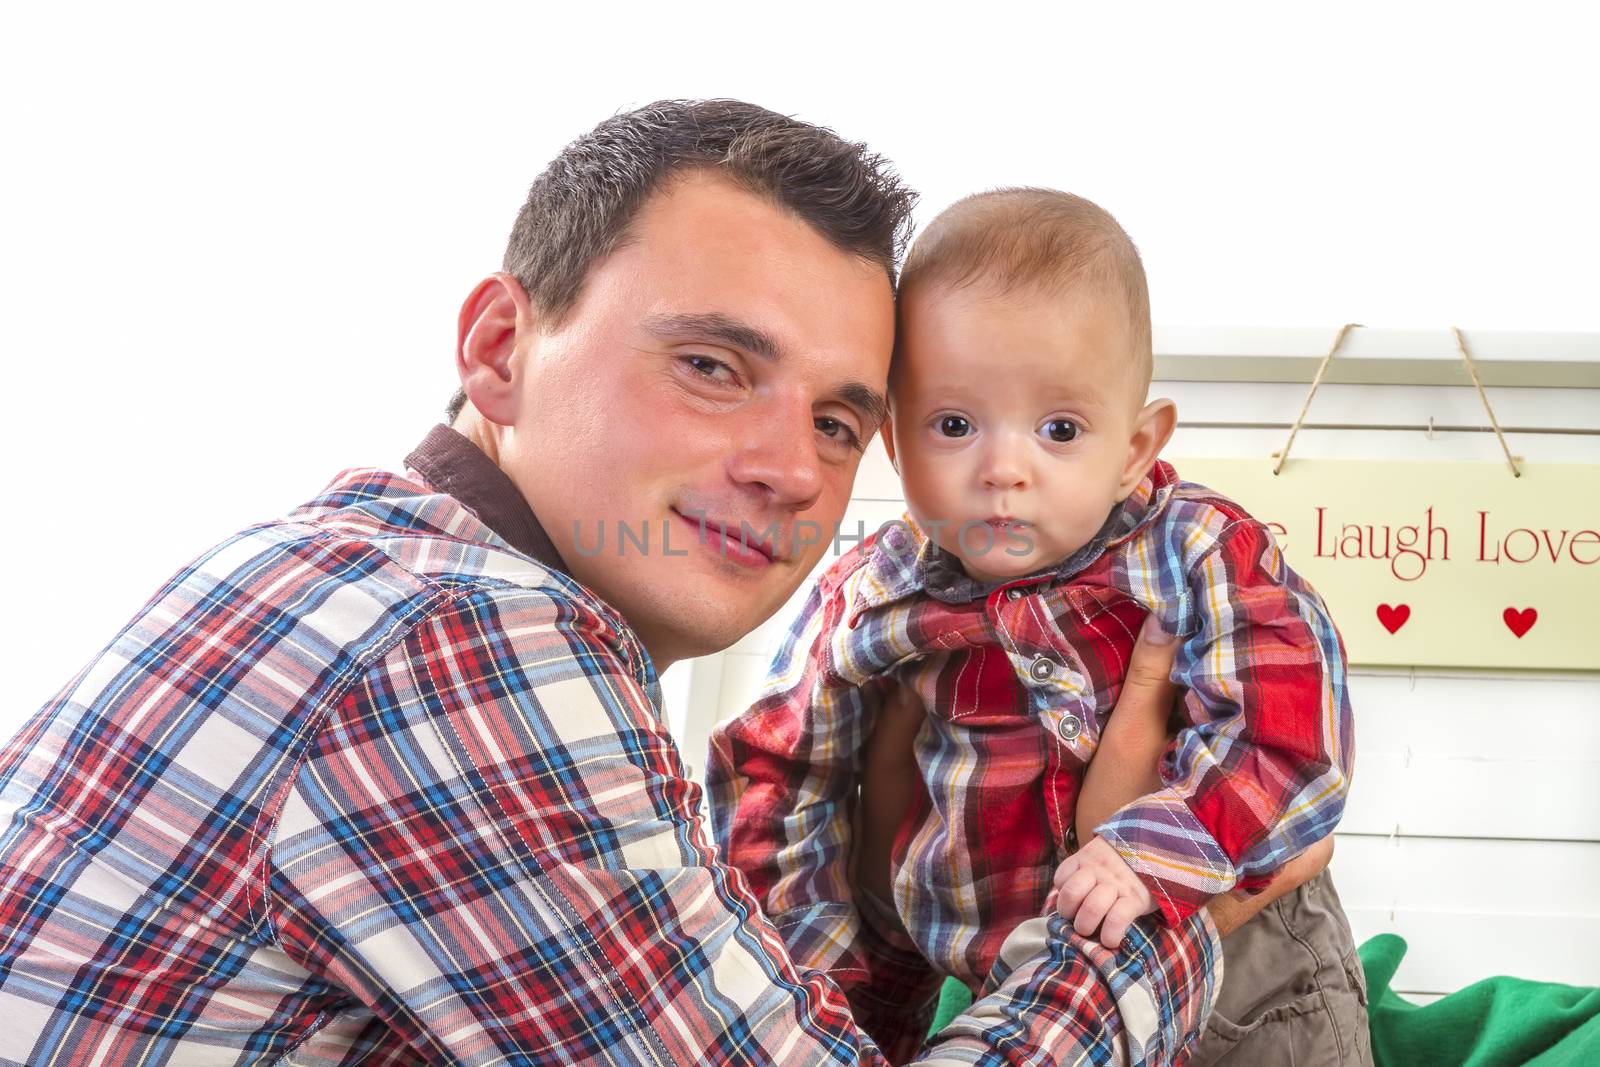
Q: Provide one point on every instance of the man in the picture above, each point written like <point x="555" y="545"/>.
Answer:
<point x="387" y="780"/>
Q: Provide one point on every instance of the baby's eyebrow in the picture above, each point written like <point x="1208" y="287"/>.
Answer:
<point x="714" y="326"/>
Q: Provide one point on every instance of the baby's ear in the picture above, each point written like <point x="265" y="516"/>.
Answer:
<point x="886" y="431"/>
<point x="1152" y="429"/>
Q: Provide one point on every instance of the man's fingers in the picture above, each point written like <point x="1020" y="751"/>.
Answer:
<point x="1093" y="909"/>
<point x="895" y="732"/>
<point x="1150" y="669"/>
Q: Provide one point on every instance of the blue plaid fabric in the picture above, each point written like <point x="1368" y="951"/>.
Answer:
<point x="368" y="785"/>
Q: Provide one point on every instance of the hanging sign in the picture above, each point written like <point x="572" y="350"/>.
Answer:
<point x="1437" y="564"/>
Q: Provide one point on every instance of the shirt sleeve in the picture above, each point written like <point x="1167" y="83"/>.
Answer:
<point x="783" y="781"/>
<point x="1262" y="770"/>
<point x="492" y="853"/>
<point x="1081" y="1003"/>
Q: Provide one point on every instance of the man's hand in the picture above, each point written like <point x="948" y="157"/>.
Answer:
<point x="889" y="780"/>
<point x="1232" y="910"/>
<point x="1096" y="889"/>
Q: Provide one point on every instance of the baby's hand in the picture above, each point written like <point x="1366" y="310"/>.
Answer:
<point x="1095" y="888"/>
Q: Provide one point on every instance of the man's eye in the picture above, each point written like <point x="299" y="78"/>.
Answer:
<point x="1060" y="430"/>
<point x="707" y="367"/>
<point x="954" y="426"/>
<point x="835" y="430"/>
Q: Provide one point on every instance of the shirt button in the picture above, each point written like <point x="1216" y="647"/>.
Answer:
<point x="1069" y="727"/>
<point x="1042" y="668"/>
<point x="1014" y="593"/>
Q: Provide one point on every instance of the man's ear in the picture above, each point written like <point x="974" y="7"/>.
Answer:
<point x="493" y="316"/>
<point x="886" y="431"/>
<point x="1152" y="429"/>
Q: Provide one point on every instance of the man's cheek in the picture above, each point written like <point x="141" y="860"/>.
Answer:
<point x="811" y="535"/>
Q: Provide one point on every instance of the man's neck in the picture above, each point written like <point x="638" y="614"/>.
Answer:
<point x="453" y="463"/>
<point x="477" y="429"/>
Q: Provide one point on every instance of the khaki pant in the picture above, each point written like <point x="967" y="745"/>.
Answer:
<point x="1293" y="994"/>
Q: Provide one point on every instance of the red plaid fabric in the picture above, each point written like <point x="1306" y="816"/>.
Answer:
<point x="367" y="785"/>
<point x="1017" y="681"/>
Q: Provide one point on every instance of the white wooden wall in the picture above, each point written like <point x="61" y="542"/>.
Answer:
<point x="1473" y="828"/>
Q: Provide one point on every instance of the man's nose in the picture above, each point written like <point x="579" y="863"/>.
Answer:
<point x="1005" y="464"/>
<point x="779" y="455"/>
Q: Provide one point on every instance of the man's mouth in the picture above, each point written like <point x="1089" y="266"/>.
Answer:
<point x="733" y="540"/>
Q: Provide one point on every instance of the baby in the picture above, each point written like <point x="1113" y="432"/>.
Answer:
<point x="1043" y="530"/>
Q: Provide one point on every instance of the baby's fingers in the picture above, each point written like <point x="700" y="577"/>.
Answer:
<point x="1094" y="908"/>
<point x="1068" y="866"/>
<point x="1117" y="921"/>
<point x="1071" y="893"/>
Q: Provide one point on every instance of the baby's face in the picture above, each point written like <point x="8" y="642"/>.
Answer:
<point x="1012" y="422"/>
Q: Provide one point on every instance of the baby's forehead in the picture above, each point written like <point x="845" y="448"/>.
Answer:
<point x="1067" y="338"/>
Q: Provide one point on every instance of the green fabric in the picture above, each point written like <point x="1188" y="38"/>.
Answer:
<point x="1497" y="1022"/>
<point x="953" y="1000"/>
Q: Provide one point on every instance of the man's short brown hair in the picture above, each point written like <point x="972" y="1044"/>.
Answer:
<point x="1021" y="238"/>
<point x="579" y="210"/>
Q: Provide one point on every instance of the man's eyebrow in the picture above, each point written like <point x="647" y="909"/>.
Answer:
<point x="713" y="326"/>
<point x="870" y="402"/>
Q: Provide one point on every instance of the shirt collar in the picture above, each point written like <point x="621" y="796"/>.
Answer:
<point x="938" y="574"/>
<point x="454" y="465"/>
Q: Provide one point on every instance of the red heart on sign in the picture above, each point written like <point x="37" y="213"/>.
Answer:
<point x="1520" y="622"/>
<point x="1395" y="617"/>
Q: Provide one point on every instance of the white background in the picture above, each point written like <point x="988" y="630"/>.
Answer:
<point x="233" y="242"/>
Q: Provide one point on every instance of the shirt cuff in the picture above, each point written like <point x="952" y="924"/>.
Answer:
<point x="1170" y="850"/>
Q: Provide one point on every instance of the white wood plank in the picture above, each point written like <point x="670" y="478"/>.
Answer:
<point x="1479" y="717"/>
<point x="704" y="692"/>
<point x="1378" y="445"/>
<point x="1502" y="757"/>
<point x="1447" y="950"/>
<point x="1429" y="357"/>
<point x="1530" y="877"/>
<point x="1370" y="342"/>
<point x="742" y="675"/>
<point x="1390" y="404"/>
<point x="1462" y="798"/>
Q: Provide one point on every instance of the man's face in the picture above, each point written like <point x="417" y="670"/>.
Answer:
<point x="721" y="370"/>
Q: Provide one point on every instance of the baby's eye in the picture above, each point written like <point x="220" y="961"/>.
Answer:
<point x="954" y="426"/>
<point x="1060" y="430"/>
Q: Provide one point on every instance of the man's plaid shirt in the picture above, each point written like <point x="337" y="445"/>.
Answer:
<point x="370" y="785"/>
<point x="1017" y="681"/>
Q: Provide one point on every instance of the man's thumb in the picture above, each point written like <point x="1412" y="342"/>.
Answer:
<point x="1153" y="655"/>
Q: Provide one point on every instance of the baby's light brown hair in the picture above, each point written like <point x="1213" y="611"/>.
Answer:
<point x="1022" y="238"/>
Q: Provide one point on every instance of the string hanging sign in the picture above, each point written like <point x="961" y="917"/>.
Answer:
<point x="1436" y="564"/>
